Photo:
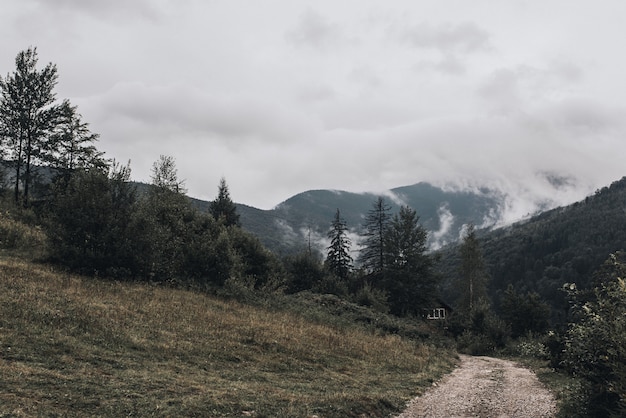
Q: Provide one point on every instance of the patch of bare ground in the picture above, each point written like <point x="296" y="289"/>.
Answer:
<point x="485" y="387"/>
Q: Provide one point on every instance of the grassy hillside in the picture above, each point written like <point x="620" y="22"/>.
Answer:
<point x="76" y="346"/>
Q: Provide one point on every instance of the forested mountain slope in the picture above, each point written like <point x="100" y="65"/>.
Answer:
<point x="306" y="217"/>
<point x="563" y="245"/>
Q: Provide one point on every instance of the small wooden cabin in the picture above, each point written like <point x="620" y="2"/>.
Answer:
<point x="440" y="312"/>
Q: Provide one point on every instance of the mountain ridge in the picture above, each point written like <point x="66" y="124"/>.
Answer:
<point x="301" y="221"/>
<point x="566" y="244"/>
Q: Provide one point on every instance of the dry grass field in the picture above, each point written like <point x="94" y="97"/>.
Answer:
<point x="75" y="346"/>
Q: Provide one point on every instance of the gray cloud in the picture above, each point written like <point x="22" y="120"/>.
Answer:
<point x="314" y="30"/>
<point x="282" y="97"/>
<point x="462" y="37"/>
<point x="110" y="9"/>
<point x="178" y="111"/>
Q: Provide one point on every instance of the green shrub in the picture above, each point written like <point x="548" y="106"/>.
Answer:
<point x="331" y="284"/>
<point x="530" y="347"/>
<point x="473" y="344"/>
<point x="481" y="332"/>
<point x="595" y="345"/>
<point x="374" y="298"/>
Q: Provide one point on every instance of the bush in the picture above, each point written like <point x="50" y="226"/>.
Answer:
<point x="374" y="298"/>
<point x="481" y="332"/>
<point x="331" y="284"/>
<point x="595" y="345"/>
<point x="474" y="344"/>
<point x="303" y="271"/>
<point x="530" y="347"/>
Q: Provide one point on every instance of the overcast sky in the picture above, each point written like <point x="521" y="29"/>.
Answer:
<point x="283" y="96"/>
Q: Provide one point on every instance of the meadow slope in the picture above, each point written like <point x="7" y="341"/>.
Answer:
<point x="76" y="346"/>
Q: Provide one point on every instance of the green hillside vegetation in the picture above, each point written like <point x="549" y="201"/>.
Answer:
<point x="285" y="228"/>
<point x="556" y="294"/>
<point x="72" y="345"/>
<point x="122" y="298"/>
<point x="125" y="299"/>
<point x="540" y="255"/>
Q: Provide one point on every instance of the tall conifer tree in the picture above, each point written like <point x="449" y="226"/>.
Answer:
<point x="223" y="208"/>
<point x="372" y="256"/>
<point x="409" y="277"/>
<point x="338" y="258"/>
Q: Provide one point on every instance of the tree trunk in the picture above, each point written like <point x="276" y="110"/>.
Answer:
<point x="27" y="173"/>
<point x="18" y="170"/>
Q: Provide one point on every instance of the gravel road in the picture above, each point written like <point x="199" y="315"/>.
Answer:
<point x="485" y="387"/>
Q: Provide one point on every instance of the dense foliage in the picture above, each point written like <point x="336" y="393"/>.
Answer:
<point x="473" y="276"/>
<point x="407" y="274"/>
<point x="36" y="130"/>
<point x="595" y="343"/>
<point x="564" y="245"/>
<point x="478" y="329"/>
<point x="89" y="221"/>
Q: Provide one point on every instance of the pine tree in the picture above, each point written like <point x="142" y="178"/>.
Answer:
<point x="338" y="259"/>
<point x="372" y="257"/>
<point x="223" y="208"/>
<point x="524" y="312"/>
<point x="409" y="276"/>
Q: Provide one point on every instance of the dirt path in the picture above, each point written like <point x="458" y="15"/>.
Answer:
<point x="485" y="387"/>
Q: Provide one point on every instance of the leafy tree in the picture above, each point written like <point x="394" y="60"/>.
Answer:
<point x="258" y="265"/>
<point x="223" y="208"/>
<point x="163" y="217"/>
<point x="338" y="259"/>
<point x="165" y="176"/>
<point x="27" y="115"/>
<point x="478" y="329"/>
<point x="372" y="256"/>
<point x="89" y="222"/>
<point x="303" y="270"/>
<point x="71" y="144"/>
<point x="472" y="273"/>
<point x="211" y="256"/>
<point x="409" y="279"/>
<point x="595" y="344"/>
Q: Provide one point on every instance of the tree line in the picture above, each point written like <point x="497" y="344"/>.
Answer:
<point x="393" y="268"/>
<point x="96" y="220"/>
<point x="99" y="223"/>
